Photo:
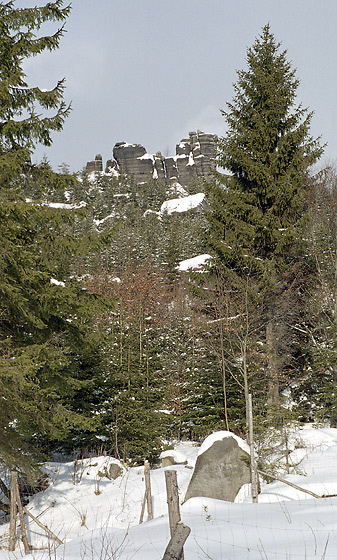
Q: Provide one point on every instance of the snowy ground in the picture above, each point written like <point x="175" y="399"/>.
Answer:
<point x="98" y="518"/>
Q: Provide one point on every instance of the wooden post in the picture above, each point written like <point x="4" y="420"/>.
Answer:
<point x="148" y="490"/>
<point x="13" y="511"/>
<point x="22" y="519"/>
<point x="174" y="548"/>
<point x="141" y="519"/>
<point x="253" y="467"/>
<point x="172" y="499"/>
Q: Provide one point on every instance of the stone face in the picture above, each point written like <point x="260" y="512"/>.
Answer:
<point x="220" y="471"/>
<point x="133" y="161"/>
<point x="96" y="165"/>
<point x="194" y="159"/>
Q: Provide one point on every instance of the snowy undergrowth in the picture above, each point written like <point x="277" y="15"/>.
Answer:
<point x="99" y="518"/>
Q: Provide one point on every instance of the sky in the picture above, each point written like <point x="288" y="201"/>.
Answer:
<point x="151" y="71"/>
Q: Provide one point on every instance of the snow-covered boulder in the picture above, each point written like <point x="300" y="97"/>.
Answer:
<point x="179" y="205"/>
<point x="222" y="467"/>
<point x="194" y="263"/>
<point x="172" y="457"/>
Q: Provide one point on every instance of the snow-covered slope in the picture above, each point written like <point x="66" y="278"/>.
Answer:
<point x="99" y="518"/>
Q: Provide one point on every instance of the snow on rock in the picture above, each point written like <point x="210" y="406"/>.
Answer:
<point x="149" y="212"/>
<point x="99" y="222"/>
<point x="183" y="452"/>
<point x="194" y="263"/>
<point x="190" y="160"/>
<point x="219" y="436"/>
<point x="183" y="204"/>
<point x="147" y="156"/>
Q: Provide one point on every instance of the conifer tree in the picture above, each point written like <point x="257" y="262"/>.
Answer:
<point x="21" y="124"/>
<point x="257" y="207"/>
<point x="45" y="351"/>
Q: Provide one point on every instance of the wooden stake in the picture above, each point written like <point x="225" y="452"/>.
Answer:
<point x="253" y="467"/>
<point x="22" y="519"/>
<point x="173" y="505"/>
<point x="172" y="499"/>
<point x="174" y="549"/>
<point x="13" y="511"/>
<point x="148" y="490"/>
<point x="141" y="519"/>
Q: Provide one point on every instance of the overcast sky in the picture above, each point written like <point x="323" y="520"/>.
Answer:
<point x="150" y="71"/>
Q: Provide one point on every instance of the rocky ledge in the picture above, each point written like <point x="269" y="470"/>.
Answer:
<point x="194" y="159"/>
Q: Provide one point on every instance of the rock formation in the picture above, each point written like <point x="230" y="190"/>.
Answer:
<point x="95" y="165"/>
<point x="222" y="467"/>
<point x="194" y="159"/>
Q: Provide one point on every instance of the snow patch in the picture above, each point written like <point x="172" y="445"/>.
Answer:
<point x="99" y="222"/>
<point x="57" y="282"/>
<point x="182" y="204"/>
<point x="147" y="156"/>
<point x="194" y="263"/>
<point x="191" y="160"/>
<point x="149" y="211"/>
<point x="99" y="518"/>
<point x="183" y="452"/>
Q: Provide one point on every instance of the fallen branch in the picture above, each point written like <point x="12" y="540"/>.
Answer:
<point x="290" y="484"/>
<point x="44" y="527"/>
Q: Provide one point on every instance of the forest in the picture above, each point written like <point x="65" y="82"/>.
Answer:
<point x="106" y="344"/>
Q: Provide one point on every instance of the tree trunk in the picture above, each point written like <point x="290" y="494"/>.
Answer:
<point x="223" y="367"/>
<point x="272" y="363"/>
<point x="253" y="467"/>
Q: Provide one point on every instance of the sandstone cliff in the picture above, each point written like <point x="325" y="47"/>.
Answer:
<point x="195" y="158"/>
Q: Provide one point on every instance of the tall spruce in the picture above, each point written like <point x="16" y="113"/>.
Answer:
<point x="258" y="204"/>
<point x="46" y="355"/>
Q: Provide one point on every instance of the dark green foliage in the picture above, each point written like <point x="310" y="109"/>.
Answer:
<point x="21" y="124"/>
<point x="44" y="317"/>
<point x="41" y="183"/>
<point x="268" y="151"/>
<point x="132" y="389"/>
<point x="44" y="312"/>
<point x="316" y="392"/>
<point x="256" y="223"/>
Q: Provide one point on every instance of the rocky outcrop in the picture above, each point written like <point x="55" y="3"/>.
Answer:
<point x="222" y="467"/>
<point x="194" y="159"/>
<point x="95" y="165"/>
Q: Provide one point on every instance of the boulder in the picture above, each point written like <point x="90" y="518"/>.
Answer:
<point x="113" y="472"/>
<point x="222" y="467"/>
<point x="172" y="457"/>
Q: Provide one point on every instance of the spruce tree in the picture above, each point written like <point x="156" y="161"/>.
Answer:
<point x="46" y="353"/>
<point x="258" y="204"/>
<point x="21" y="123"/>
